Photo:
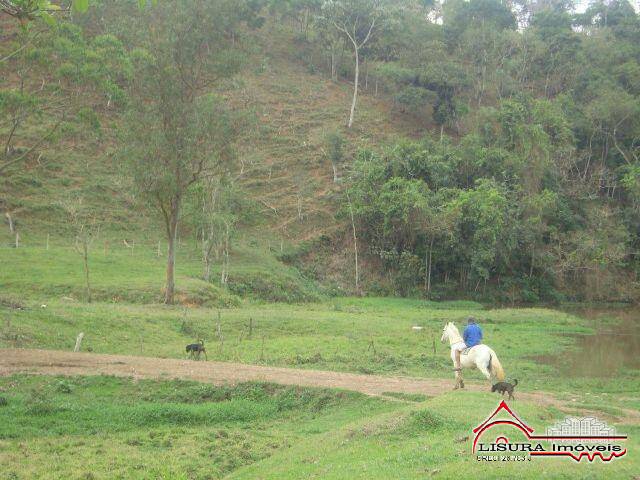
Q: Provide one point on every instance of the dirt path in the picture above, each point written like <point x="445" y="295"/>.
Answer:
<point x="53" y="362"/>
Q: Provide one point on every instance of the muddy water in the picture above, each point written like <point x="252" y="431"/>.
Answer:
<point x="615" y="345"/>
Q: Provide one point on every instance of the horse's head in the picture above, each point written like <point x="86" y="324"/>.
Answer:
<point x="445" y="332"/>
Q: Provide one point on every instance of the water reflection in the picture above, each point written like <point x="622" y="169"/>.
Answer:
<point x="616" y="344"/>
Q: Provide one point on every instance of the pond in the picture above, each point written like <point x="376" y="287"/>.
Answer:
<point x="615" y="344"/>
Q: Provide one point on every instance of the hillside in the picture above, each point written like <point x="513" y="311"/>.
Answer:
<point x="280" y="154"/>
<point x="473" y="169"/>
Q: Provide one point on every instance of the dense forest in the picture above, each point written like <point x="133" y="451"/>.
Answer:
<point x="519" y="179"/>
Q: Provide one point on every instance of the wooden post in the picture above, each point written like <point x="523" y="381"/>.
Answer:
<point x="47" y="241"/>
<point x="262" y="349"/>
<point x="17" y="240"/>
<point x="250" y="326"/>
<point x="78" y="342"/>
<point x="434" y="346"/>
<point x="158" y="248"/>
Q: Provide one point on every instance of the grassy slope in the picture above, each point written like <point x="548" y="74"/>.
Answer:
<point x="429" y="440"/>
<point x="102" y="427"/>
<point x="289" y="111"/>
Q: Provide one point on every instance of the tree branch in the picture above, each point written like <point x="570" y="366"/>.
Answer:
<point x="40" y="142"/>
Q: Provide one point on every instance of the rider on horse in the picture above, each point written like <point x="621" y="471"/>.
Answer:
<point x="472" y="336"/>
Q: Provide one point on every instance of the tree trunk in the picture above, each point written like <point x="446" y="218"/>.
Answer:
<point x="207" y="268"/>
<point x="10" y="221"/>
<point x="224" y="274"/>
<point x="429" y="269"/>
<point x="85" y="258"/>
<point x="355" y="86"/>
<point x="533" y="252"/>
<point x="172" y="234"/>
<point x="355" y="246"/>
<point x="366" y="74"/>
<point x="334" y="67"/>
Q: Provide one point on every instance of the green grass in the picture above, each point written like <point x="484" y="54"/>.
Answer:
<point x="136" y="275"/>
<point x="102" y="427"/>
<point x="343" y="334"/>
<point x="365" y="335"/>
<point x="106" y="427"/>
<point x="431" y="440"/>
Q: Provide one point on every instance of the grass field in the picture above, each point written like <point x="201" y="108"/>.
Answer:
<point x="364" y="335"/>
<point x="103" y="427"/>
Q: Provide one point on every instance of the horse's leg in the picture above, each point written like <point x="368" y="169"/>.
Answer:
<point x="484" y="369"/>
<point x="456" y="372"/>
<point x="459" y="380"/>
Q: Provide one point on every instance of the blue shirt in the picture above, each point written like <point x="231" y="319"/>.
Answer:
<point x="472" y="335"/>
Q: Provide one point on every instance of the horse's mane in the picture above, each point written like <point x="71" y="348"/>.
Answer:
<point x="453" y="331"/>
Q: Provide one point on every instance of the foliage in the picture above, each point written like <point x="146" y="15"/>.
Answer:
<point x="493" y="207"/>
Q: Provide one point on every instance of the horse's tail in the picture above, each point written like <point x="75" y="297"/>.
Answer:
<point x="496" y="367"/>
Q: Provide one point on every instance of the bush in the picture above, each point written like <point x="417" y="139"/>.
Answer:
<point x="273" y="288"/>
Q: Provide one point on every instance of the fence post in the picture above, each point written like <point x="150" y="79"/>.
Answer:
<point x="78" y="342"/>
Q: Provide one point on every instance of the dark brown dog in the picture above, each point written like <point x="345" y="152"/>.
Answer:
<point x="505" y="387"/>
<point x="195" y="349"/>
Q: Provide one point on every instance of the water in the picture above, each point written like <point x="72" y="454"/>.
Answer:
<point x="614" y="346"/>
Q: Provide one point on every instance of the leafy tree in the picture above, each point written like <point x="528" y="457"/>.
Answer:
<point x="335" y="152"/>
<point x="357" y="20"/>
<point x="215" y="208"/>
<point x="438" y="217"/>
<point x="177" y="132"/>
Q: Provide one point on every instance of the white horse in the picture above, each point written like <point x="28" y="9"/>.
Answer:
<point x="480" y="357"/>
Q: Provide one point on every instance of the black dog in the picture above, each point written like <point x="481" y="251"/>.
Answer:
<point x="195" y="349"/>
<point x="505" y="387"/>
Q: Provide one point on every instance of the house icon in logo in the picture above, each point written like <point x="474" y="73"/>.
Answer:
<point x="489" y="423"/>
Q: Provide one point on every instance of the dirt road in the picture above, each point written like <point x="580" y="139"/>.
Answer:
<point x="53" y="362"/>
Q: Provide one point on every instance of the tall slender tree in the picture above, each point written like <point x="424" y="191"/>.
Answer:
<point x="357" y="21"/>
<point x="178" y="132"/>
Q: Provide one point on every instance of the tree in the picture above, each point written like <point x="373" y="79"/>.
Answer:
<point x="483" y="215"/>
<point x="28" y="10"/>
<point x="178" y="133"/>
<point x="332" y="40"/>
<point x="437" y="219"/>
<point x="216" y="207"/>
<point x="85" y="228"/>
<point x="356" y="20"/>
<point x="23" y="104"/>
<point x="335" y="152"/>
